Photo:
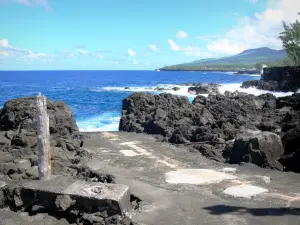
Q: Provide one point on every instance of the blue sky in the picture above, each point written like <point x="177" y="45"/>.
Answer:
<point x="134" y="34"/>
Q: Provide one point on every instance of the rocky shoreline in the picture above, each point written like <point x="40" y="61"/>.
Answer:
<point x="233" y="128"/>
<point x="18" y="162"/>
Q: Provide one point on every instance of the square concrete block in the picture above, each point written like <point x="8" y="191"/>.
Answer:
<point x="89" y="196"/>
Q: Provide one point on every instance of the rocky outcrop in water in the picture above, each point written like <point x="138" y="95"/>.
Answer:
<point x="210" y="124"/>
<point x="277" y="79"/>
<point x="204" y="89"/>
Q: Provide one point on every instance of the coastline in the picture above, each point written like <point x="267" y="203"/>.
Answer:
<point x="212" y="70"/>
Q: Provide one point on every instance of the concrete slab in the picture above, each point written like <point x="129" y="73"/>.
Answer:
<point x="116" y="193"/>
<point x="88" y="195"/>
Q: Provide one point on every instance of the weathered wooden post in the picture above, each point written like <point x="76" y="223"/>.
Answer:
<point x="43" y="139"/>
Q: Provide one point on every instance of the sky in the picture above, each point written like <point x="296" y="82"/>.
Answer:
<point x="134" y="34"/>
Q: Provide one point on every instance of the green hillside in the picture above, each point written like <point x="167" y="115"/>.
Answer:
<point x="245" y="60"/>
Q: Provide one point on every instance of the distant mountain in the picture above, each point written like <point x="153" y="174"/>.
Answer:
<point x="247" y="57"/>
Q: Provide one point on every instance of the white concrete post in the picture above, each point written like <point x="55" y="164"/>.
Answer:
<point x="43" y="139"/>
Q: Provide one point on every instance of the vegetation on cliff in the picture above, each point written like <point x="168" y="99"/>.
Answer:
<point x="291" y="41"/>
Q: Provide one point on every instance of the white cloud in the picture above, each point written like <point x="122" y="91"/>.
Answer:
<point x="224" y="46"/>
<point x="12" y="52"/>
<point x="253" y="1"/>
<point x="116" y="63"/>
<point x="153" y="48"/>
<point x="131" y="52"/>
<point x="42" y="3"/>
<point x="260" y="30"/>
<point x="134" y="62"/>
<point x="83" y="52"/>
<point x="181" y="35"/>
<point x="174" y="46"/>
<point x="4" y="42"/>
<point x="187" y="50"/>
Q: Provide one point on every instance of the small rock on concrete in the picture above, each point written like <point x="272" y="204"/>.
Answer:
<point x="64" y="202"/>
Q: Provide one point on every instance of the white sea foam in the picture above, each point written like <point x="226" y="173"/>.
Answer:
<point x="254" y="75"/>
<point x="103" y="122"/>
<point x="154" y="89"/>
<point x="184" y="90"/>
<point x="251" y="90"/>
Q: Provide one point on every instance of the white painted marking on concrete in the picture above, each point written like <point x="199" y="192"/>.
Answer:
<point x="140" y="150"/>
<point x="114" y="139"/>
<point x="197" y="176"/>
<point x="104" y="151"/>
<point x="130" y="143"/>
<point x="244" y="191"/>
<point x="166" y="163"/>
<point x="129" y="153"/>
<point x="109" y="135"/>
<point x="229" y="170"/>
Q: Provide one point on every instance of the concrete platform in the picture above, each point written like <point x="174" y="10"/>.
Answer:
<point x="180" y="187"/>
<point x="87" y="196"/>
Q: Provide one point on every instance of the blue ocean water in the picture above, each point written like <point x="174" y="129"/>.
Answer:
<point x="96" y="96"/>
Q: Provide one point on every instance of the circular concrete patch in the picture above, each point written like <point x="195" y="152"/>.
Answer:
<point x="244" y="191"/>
<point x="197" y="176"/>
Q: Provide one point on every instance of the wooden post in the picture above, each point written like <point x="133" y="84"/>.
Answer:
<point x="43" y="138"/>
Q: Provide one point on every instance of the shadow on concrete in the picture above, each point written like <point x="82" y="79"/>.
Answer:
<point x="226" y="209"/>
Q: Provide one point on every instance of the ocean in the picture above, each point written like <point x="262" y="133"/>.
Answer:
<point x="96" y="96"/>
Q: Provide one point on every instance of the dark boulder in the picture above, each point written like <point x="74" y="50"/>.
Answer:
<point x="18" y="114"/>
<point x="261" y="148"/>
<point x="291" y="161"/>
<point x="289" y="101"/>
<point x="291" y="140"/>
<point x="162" y="114"/>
